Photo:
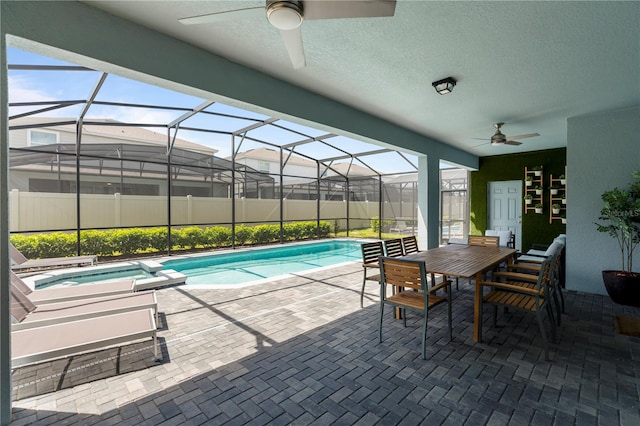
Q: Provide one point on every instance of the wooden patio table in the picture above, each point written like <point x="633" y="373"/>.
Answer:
<point x="463" y="261"/>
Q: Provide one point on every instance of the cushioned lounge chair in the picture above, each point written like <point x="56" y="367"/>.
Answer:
<point x="63" y="294"/>
<point x="45" y="343"/>
<point x="26" y="314"/>
<point x="20" y="262"/>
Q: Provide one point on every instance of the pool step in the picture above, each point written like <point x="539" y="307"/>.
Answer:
<point x="163" y="278"/>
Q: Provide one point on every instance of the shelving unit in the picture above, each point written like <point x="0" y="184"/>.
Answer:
<point x="536" y="181"/>
<point x="557" y="198"/>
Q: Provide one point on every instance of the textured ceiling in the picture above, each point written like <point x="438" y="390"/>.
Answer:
<point x="528" y="64"/>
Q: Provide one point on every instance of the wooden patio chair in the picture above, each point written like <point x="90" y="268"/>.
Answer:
<point x="370" y="254"/>
<point x="393" y="247"/>
<point x="20" y="262"/>
<point x="408" y="280"/>
<point x="484" y="241"/>
<point x="525" y="292"/>
<point x="410" y="244"/>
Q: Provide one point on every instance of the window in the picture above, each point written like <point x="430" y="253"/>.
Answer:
<point x="264" y="166"/>
<point x="454" y="216"/>
<point x="41" y="137"/>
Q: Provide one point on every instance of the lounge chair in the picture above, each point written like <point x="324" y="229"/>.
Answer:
<point x="63" y="294"/>
<point x="38" y="344"/>
<point x="26" y="314"/>
<point x="20" y="262"/>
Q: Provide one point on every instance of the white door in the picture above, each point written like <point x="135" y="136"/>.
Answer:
<point x="504" y="207"/>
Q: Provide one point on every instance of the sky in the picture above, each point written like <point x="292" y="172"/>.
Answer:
<point x="39" y="85"/>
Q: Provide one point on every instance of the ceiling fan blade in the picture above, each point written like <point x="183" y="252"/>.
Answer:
<point x="322" y="9"/>
<point x="510" y="142"/>
<point x="222" y="16"/>
<point x="530" y="135"/>
<point x="293" y="42"/>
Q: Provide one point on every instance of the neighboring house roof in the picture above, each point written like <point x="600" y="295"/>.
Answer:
<point x="124" y="134"/>
<point x="273" y="156"/>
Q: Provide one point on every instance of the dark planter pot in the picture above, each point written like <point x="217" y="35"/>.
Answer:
<point x="623" y="287"/>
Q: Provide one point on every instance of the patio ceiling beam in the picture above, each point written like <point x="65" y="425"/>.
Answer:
<point x="254" y="126"/>
<point x="20" y="67"/>
<point x="38" y="125"/>
<point x="309" y="140"/>
<point x="191" y="113"/>
<point x="41" y="110"/>
<point x="131" y="105"/>
<point x="360" y="154"/>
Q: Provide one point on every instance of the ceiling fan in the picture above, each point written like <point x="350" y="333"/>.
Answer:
<point x="287" y="16"/>
<point x="500" y="138"/>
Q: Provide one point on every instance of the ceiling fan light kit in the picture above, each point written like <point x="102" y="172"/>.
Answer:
<point x="444" y="86"/>
<point x="285" y="15"/>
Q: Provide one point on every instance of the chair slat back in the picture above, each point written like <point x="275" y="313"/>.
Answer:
<point x="393" y="247"/>
<point x="16" y="256"/>
<point x="484" y="241"/>
<point x="410" y="244"/>
<point x="17" y="281"/>
<point x="21" y="306"/>
<point x="403" y="273"/>
<point x="371" y="252"/>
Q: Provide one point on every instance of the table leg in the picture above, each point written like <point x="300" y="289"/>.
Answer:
<point x="476" y="308"/>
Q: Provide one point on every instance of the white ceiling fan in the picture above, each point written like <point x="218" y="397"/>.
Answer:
<point x="499" y="138"/>
<point x="287" y="16"/>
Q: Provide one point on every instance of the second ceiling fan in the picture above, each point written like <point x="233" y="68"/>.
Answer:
<point x="287" y="16"/>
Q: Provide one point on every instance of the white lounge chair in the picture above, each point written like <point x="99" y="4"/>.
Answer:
<point x="38" y="344"/>
<point x="26" y="314"/>
<point x="63" y="294"/>
<point x="20" y="262"/>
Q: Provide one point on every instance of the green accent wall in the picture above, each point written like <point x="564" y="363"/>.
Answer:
<point x="535" y="227"/>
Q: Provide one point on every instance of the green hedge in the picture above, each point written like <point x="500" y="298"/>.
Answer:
<point x="124" y="242"/>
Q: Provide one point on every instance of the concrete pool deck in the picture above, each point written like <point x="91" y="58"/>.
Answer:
<point x="301" y="351"/>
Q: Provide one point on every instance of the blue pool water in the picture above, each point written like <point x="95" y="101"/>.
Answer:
<point x="252" y="265"/>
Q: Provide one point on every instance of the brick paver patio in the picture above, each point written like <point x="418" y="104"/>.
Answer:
<point x="301" y="351"/>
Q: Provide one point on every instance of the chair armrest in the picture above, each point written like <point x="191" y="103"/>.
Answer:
<point x="531" y="267"/>
<point x="443" y="284"/>
<point x="536" y="246"/>
<point x="516" y="276"/>
<point x="511" y="287"/>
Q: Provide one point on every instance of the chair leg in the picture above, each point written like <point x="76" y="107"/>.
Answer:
<point x="544" y="335"/>
<point x="558" y="308"/>
<point x="450" y="328"/>
<point x="364" y="280"/>
<point x="380" y="325"/>
<point x="480" y="325"/>
<point x="553" y="323"/>
<point x="561" y="299"/>
<point x="403" y="312"/>
<point x="424" y="333"/>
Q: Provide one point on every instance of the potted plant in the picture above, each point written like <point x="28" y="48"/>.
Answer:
<point x="538" y="208"/>
<point x="553" y="190"/>
<point x="563" y="180"/>
<point x="555" y="208"/>
<point x="620" y="218"/>
<point x="528" y="199"/>
<point x="564" y="220"/>
<point x="538" y="190"/>
<point x="564" y="198"/>
<point x="528" y="180"/>
<point x="537" y="170"/>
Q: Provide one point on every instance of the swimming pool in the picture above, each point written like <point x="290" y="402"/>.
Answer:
<point x="253" y="266"/>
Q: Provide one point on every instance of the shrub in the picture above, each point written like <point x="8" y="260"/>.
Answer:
<point x="190" y="237"/>
<point x="99" y="243"/>
<point x="157" y="238"/>
<point x="130" y="241"/>
<point x="218" y="236"/>
<point x="243" y="234"/>
<point x="263" y="234"/>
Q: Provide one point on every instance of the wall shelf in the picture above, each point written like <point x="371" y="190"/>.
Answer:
<point x="533" y="188"/>
<point x="557" y="195"/>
